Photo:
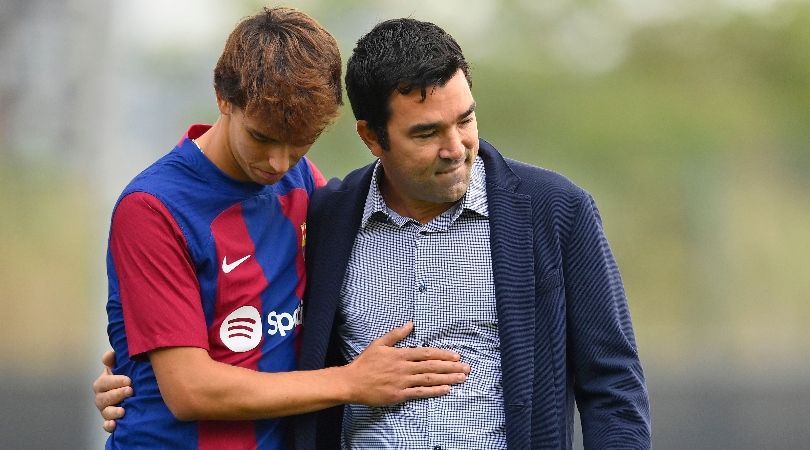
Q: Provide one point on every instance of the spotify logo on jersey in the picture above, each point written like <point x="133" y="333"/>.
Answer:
<point x="241" y="331"/>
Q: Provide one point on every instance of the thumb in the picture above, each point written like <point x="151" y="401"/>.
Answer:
<point x="395" y="335"/>
<point x="108" y="359"/>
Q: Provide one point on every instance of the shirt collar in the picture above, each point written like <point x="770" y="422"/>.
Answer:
<point x="475" y="199"/>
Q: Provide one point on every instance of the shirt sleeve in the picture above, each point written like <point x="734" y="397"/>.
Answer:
<point x="158" y="285"/>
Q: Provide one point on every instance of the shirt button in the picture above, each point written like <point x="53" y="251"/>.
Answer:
<point x="422" y="288"/>
<point x="437" y="447"/>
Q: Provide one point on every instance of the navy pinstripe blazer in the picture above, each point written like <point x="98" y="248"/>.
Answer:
<point x="564" y="324"/>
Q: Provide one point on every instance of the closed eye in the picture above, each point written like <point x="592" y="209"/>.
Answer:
<point x="258" y="137"/>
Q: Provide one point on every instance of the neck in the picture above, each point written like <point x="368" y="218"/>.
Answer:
<point x="421" y="211"/>
<point x="211" y="141"/>
<point x="214" y="144"/>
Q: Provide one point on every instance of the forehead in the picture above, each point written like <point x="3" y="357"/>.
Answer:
<point x="442" y="103"/>
<point x="262" y="124"/>
<point x="275" y="124"/>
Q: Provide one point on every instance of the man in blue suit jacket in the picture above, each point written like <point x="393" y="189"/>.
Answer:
<point x="559" y="312"/>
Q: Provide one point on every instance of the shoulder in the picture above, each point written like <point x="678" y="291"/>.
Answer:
<point x="303" y="175"/>
<point x="146" y="188"/>
<point x="355" y="181"/>
<point x="540" y="184"/>
<point x="160" y="177"/>
<point x="539" y="179"/>
<point x="340" y="199"/>
<point x="318" y="180"/>
<point x="165" y="194"/>
<point x="141" y="220"/>
<point x="138" y="211"/>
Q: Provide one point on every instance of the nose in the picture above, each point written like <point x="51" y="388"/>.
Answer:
<point x="279" y="159"/>
<point x="453" y="147"/>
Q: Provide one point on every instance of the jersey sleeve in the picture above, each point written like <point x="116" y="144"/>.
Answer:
<point x="317" y="177"/>
<point x="158" y="286"/>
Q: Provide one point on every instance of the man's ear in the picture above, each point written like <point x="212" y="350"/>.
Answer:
<point x="369" y="137"/>
<point x="225" y="107"/>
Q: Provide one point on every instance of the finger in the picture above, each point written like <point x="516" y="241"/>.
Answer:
<point x="112" y="413"/>
<point x="434" y="379"/>
<point x="425" y="392"/>
<point x="108" y="359"/>
<point x="395" y="335"/>
<point x="109" y="426"/>
<point x="429" y="353"/>
<point x="112" y="397"/>
<point x="106" y="382"/>
<point x="438" y="366"/>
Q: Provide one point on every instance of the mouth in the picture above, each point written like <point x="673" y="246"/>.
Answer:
<point x="268" y="177"/>
<point x="450" y="170"/>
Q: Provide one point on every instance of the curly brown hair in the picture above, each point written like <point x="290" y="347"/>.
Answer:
<point x="282" y="67"/>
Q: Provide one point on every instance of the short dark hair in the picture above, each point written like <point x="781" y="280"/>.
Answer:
<point x="282" y="67"/>
<point x="402" y="54"/>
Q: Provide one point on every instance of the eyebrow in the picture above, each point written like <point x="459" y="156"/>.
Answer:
<point x="422" y="127"/>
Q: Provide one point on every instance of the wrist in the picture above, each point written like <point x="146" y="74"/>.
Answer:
<point x="341" y="378"/>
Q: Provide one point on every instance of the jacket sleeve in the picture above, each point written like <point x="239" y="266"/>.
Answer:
<point x="609" y="384"/>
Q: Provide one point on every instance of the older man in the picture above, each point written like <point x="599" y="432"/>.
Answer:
<point x="503" y="262"/>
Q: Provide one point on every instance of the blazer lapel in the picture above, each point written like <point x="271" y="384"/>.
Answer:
<point x="339" y="218"/>
<point x="511" y="244"/>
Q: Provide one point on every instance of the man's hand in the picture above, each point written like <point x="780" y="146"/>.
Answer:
<point x="110" y="391"/>
<point x="385" y="375"/>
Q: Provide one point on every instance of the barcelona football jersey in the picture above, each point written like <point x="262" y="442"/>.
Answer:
<point x="197" y="259"/>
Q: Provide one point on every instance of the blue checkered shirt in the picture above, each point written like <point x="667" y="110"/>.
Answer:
<point x="439" y="275"/>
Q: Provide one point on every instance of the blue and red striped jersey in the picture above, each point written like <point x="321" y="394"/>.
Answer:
<point x="197" y="259"/>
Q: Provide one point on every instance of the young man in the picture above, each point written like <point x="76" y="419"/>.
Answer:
<point x="206" y="266"/>
<point x="501" y="261"/>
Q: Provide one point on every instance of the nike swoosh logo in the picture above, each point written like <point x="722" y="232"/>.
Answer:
<point x="227" y="268"/>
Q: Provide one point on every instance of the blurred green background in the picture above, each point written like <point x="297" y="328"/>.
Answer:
<point x="688" y="122"/>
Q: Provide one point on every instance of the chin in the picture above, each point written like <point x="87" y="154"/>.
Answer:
<point x="458" y="190"/>
<point x="454" y="195"/>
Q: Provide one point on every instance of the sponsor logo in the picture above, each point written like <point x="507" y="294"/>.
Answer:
<point x="227" y="268"/>
<point x="284" y="322"/>
<point x="241" y="331"/>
